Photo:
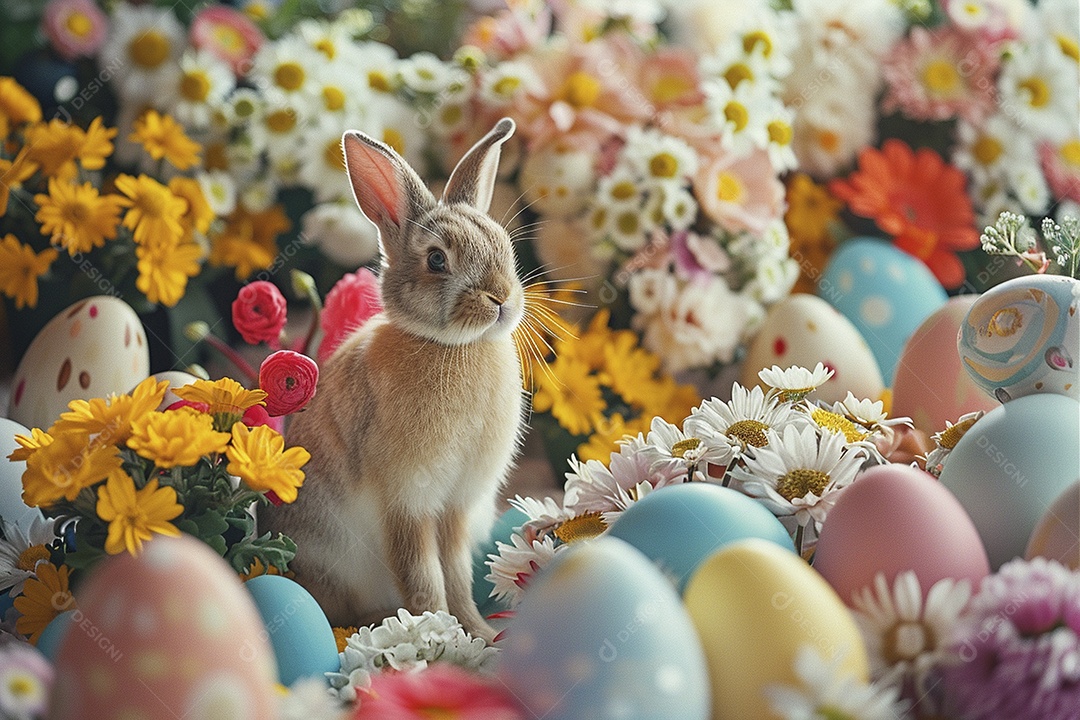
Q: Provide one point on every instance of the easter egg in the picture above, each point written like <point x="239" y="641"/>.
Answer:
<point x="53" y="634"/>
<point x="1011" y="465"/>
<point x="930" y="385"/>
<point x="885" y="292"/>
<point x="679" y="526"/>
<point x="168" y="633"/>
<point x="12" y="507"/>
<point x="601" y="634"/>
<point x="1057" y="534"/>
<point x="805" y="330"/>
<point x="1023" y="337"/>
<point x="92" y="349"/>
<point x="754" y="605"/>
<point x="176" y="378"/>
<point x="299" y="632"/>
<point x="892" y="519"/>
<point x="500" y="532"/>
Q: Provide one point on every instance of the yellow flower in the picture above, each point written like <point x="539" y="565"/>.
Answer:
<point x="110" y="419"/>
<point x="20" y="268"/>
<point x="256" y="568"/>
<point x="249" y="240"/>
<point x="811" y="210"/>
<point x="630" y="370"/>
<point x="224" y="396"/>
<point x="163" y="137"/>
<point x="56" y="145"/>
<point x="12" y="175"/>
<point x="29" y="444"/>
<point x="17" y="106"/>
<point x="97" y="145"/>
<point x="199" y="214"/>
<point x="153" y="211"/>
<point x="65" y="466"/>
<point x="76" y="217"/>
<point x="604" y="439"/>
<point x="43" y="598"/>
<point x="259" y="458"/>
<point x="135" y="515"/>
<point x="342" y="635"/>
<point x="670" y="400"/>
<point x="176" y="437"/>
<point x="591" y="346"/>
<point x="164" y="270"/>
<point x="571" y="393"/>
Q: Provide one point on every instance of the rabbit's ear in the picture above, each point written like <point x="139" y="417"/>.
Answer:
<point x="473" y="180"/>
<point x="388" y="191"/>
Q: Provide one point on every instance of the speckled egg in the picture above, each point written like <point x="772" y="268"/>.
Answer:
<point x="805" y="330"/>
<point x="12" y="507"/>
<point x="1023" y="337"/>
<point x="931" y="386"/>
<point x="170" y="633"/>
<point x="94" y="348"/>
<point x="885" y="292"/>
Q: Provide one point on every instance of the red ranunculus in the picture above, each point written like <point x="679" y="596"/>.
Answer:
<point x="349" y="304"/>
<point x="289" y="379"/>
<point x="258" y="312"/>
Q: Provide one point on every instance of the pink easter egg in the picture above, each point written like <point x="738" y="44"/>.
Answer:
<point x="170" y="633"/>
<point x="931" y="386"/>
<point x="895" y="518"/>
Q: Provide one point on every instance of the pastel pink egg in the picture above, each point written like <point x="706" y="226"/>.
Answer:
<point x="170" y="633"/>
<point x="931" y="386"/>
<point x="895" y="518"/>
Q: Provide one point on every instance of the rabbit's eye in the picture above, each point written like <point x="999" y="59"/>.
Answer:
<point x="436" y="261"/>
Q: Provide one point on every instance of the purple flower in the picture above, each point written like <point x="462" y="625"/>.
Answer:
<point x="1017" y="646"/>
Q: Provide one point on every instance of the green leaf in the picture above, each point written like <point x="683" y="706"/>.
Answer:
<point x="272" y="551"/>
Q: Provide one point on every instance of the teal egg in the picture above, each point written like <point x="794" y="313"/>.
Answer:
<point x="601" y="634"/>
<point x="297" y="628"/>
<point x="885" y="293"/>
<point x="51" y="637"/>
<point x="501" y="531"/>
<point x="1011" y="465"/>
<point x="679" y="527"/>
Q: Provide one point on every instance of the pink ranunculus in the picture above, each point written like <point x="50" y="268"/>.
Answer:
<point x="75" y="28"/>
<point x="352" y="301"/>
<point x="740" y="193"/>
<point x="200" y="406"/>
<point x="258" y="312"/>
<point x="289" y="379"/>
<point x="440" y="690"/>
<point x="228" y="34"/>
<point x="257" y="415"/>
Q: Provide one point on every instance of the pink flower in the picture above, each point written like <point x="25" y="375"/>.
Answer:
<point x="289" y="379"/>
<point x="697" y="257"/>
<point x="200" y="406"/>
<point x="740" y="193"/>
<point x="441" y="690"/>
<point x="350" y="303"/>
<point x="75" y="28"/>
<point x="258" y="312"/>
<point x="940" y="74"/>
<point x="1061" y="165"/>
<point x="228" y="34"/>
<point x="670" y="79"/>
<point x="991" y="20"/>
<point x="257" y="415"/>
<point x="511" y="31"/>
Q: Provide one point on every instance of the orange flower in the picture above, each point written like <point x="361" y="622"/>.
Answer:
<point x="919" y="200"/>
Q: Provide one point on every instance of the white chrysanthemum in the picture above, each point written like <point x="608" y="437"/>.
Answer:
<point x="141" y="51"/>
<point x="244" y="107"/>
<point x="906" y="637"/>
<point x="832" y="123"/>
<point x="21" y="551"/>
<point x="281" y="126"/>
<point x="506" y="82"/>
<point x="1038" y="84"/>
<point x="795" y="383"/>
<point x="678" y="208"/>
<point x="987" y="150"/>
<point x="662" y="160"/>
<point x="780" y="127"/>
<point x="332" y="40"/>
<point x="452" y="113"/>
<point x="219" y="190"/>
<point x="591" y="487"/>
<point x="740" y="114"/>
<point x="377" y="66"/>
<point x="341" y="232"/>
<point x="1061" y="22"/>
<point x="200" y="88"/>
<point x="945" y="440"/>
<point x="426" y="74"/>
<point x="799" y="472"/>
<point x="731" y="63"/>
<point x="671" y="450"/>
<point x="773" y="279"/>
<point x="340" y="92"/>
<point x="544" y="515"/>
<point x="514" y="564"/>
<point x="628" y="228"/>
<point x="322" y="162"/>
<point x="286" y="67"/>
<point x="743" y="421"/>
<point x="310" y="699"/>
<point x="853" y="33"/>
<point x="824" y="692"/>
<point x="621" y="188"/>
<point x="651" y="289"/>
<point x="767" y="34"/>
<point x="1028" y="184"/>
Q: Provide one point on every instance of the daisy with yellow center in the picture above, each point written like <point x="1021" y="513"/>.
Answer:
<point x="259" y="458"/>
<point x="835" y="423"/>
<point x="226" y="399"/>
<point x="135" y="515"/>
<point x="165" y="270"/>
<point x="743" y="422"/>
<point x="29" y="444"/>
<point x="76" y="217"/>
<point x="12" y="175"/>
<point x="794" y="383"/>
<point x="570" y="393"/>
<point x="163" y="137"/>
<point x="20" y="268"/>
<point x="581" y="527"/>
<point x="154" y="212"/>
<point x="65" y="466"/>
<point x="22" y="549"/>
<point x="44" y="597"/>
<point x="17" y="106"/>
<point x="176" y="438"/>
<point x="947" y="439"/>
<point x="108" y="420"/>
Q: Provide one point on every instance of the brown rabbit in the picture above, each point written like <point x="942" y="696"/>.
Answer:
<point x="418" y="415"/>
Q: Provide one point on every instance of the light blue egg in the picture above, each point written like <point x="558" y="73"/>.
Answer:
<point x="884" y="292"/>
<point x="601" y="634"/>
<point x="297" y="628"/>
<point x="1023" y="337"/>
<point x="679" y="527"/>
<point x="501" y="531"/>
<point x="53" y="634"/>
<point x="1009" y="467"/>
<point x="12" y="507"/>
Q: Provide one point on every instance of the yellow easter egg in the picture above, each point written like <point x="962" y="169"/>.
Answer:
<point x="754" y="604"/>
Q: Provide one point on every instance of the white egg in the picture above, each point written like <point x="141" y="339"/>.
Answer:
<point x="12" y="507"/>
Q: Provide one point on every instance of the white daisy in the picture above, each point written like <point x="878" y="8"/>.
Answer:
<point x="1028" y="184"/>
<point x="219" y="190"/>
<point x="799" y="472"/>
<point x="621" y="188"/>
<point x="397" y="124"/>
<point x="286" y="68"/>
<point x="732" y="63"/>
<point x="669" y="449"/>
<point x="377" y="65"/>
<point x="558" y="182"/>
<point x="905" y="637"/>
<point x="628" y="228"/>
<point x="986" y="151"/>
<point x="200" y="88"/>
<point x="795" y="383"/>
<point x="503" y="84"/>
<point x="516" y="563"/>
<point x="651" y="289"/>
<point x="142" y="50"/>
<point x="765" y="33"/>
<point x="863" y="417"/>
<point x="281" y="127"/>
<point x="1061" y="21"/>
<point x="826" y="693"/>
<point x="743" y="421"/>
<point x="332" y="40"/>
<point x="322" y="162"/>
<point x="662" y="160"/>
<point x="426" y="74"/>
<point x="259" y="193"/>
<point x="452" y="112"/>
<point x="341" y="233"/>
<point x="740" y="114"/>
<point x="340" y="90"/>
<point x="244" y="107"/>
<point x="1038" y="85"/>
<point x="21" y="551"/>
<point x="945" y="441"/>
<point x="779" y="126"/>
<point x="544" y="515"/>
<point x="773" y="279"/>
<point x="678" y="208"/>
<point x="831" y="123"/>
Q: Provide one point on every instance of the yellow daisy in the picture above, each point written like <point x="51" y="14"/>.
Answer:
<point x="571" y="393"/>
<point x="17" y="106"/>
<point x="29" y="444"/>
<point x="226" y="399"/>
<point x="630" y="370"/>
<point x="135" y="515"/>
<point x="670" y="400"/>
<point x="43" y="598"/>
<point x="76" y="217"/>
<point x="97" y="145"/>
<point x="175" y="438"/>
<point x="164" y="270"/>
<point x="110" y="419"/>
<point x="56" y="145"/>
<point x="12" y="174"/>
<point x="65" y="466"/>
<point x="154" y="212"/>
<point x="342" y="635"/>
<point x="199" y="214"/>
<point x="249" y="240"/>
<point x="20" y="268"/>
<point x="259" y="458"/>
<point x="163" y="137"/>
<point x="605" y="439"/>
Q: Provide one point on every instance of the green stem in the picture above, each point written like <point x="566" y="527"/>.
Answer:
<point x="799" y="539"/>
<point x="234" y="357"/>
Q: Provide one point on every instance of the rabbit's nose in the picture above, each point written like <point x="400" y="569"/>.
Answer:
<point x="497" y="301"/>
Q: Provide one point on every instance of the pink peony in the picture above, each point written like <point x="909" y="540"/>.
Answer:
<point x="1061" y="165"/>
<point x="75" y="28"/>
<point x="228" y="34"/>
<point x="441" y="690"/>
<point x="740" y="193"/>
<point x="289" y="379"/>
<point x="350" y="303"/>
<point x="259" y="311"/>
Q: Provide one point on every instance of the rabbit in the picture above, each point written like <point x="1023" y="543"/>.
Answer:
<point x="419" y="414"/>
